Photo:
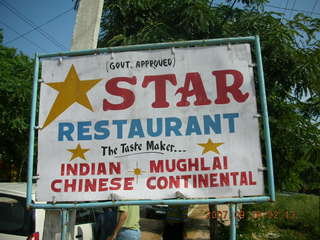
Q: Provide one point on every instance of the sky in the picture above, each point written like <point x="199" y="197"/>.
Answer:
<point x="46" y="26"/>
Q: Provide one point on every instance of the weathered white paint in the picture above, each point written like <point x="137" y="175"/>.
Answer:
<point x="241" y="145"/>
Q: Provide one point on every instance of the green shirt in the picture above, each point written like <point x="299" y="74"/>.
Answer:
<point x="133" y="218"/>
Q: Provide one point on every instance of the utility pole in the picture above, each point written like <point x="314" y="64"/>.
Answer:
<point x="59" y="224"/>
<point x="86" y="30"/>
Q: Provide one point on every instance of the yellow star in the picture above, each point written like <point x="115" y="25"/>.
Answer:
<point x="210" y="146"/>
<point x="137" y="171"/>
<point x="78" y="152"/>
<point x="70" y="91"/>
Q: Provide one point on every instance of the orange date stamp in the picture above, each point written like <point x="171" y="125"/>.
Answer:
<point x="254" y="214"/>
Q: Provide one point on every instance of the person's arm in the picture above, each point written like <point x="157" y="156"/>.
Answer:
<point x="122" y="218"/>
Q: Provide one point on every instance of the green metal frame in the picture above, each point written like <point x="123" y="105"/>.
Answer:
<point x="253" y="40"/>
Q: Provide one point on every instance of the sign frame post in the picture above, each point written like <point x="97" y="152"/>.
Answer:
<point x="254" y="42"/>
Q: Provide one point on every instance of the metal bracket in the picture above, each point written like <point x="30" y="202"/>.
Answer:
<point x="261" y="169"/>
<point x="36" y="177"/>
<point x="229" y="46"/>
<point x="114" y="197"/>
<point x="173" y="51"/>
<point x="252" y="65"/>
<point x="180" y="195"/>
<point x="257" y="115"/>
<point x="60" y="59"/>
<point x="40" y="80"/>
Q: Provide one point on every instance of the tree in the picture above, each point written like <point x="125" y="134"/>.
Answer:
<point x="291" y="58"/>
<point x="16" y="72"/>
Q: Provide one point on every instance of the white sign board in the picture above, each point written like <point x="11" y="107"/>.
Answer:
<point x="146" y="124"/>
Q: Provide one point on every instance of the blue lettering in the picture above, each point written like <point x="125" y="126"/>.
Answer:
<point x="100" y="127"/>
<point x="173" y="124"/>
<point x="65" y="130"/>
<point x="135" y="129"/>
<point x="150" y="127"/>
<point x="119" y="124"/>
<point x="231" y="117"/>
<point x="193" y="126"/>
<point x="83" y="128"/>
<point x="209" y="124"/>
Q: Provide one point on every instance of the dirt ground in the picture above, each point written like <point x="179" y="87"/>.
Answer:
<point x="197" y="226"/>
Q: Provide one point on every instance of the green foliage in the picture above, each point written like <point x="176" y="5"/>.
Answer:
<point x="290" y="217"/>
<point x="15" y="101"/>
<point x="291" y="58"/>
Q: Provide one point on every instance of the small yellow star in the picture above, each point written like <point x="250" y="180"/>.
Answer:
<point x="137" y="171"/>
<point x="78" y="152"/>
<point x="72" y="90"/>
<point x="210" y="146"/>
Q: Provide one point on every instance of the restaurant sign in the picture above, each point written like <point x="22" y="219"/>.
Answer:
<point x="146" y="124"/>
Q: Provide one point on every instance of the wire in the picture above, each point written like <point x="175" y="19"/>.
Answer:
<point x="76" y="4"/>
<point x="35" y="28"/>
<point x="28" y="40"/>
<point x="294" y="10"/>
<point x="314" y="6"/>
<point x="285" y="10"/>
<point x="29" y="22"/>
<point x="294" y="4"/>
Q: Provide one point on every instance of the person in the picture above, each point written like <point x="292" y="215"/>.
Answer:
<point x="176" y="218"/>
<point x="106" y="223"/>
<point x="127" y="227"/>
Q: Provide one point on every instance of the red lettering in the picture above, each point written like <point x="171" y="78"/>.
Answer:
<point x="62" y="169"/>
<point x="174" y="182"/>
<point x="84" y="169"/>
<point x="203" y="180"/>
<point x="251" y="182"/>
<point x="80" y="185"/>
<point x="186" y="179"/>
<point x="102" y="169"/>
<point x="225" y="162"/>
<point x="93" y="169"/>
<point x="202" y="165"/>
<point x="54" y="187"/>
<point x="103" y="184"/>
<point x="126" y="94"/>
<point x="72" y="169"/>
<point x="114" y="168"/>
<point x="115" y="184"/>
<point x="213" y="179"/>
<point x="243" y="178"/>
<point x="197" y="90"/>
<point x="128" y="183"/>
<point x="181" y="165"/>
<point x="172" y="167"/>
<point x="234" y="177"/>
<point x="193" y="166"/>
<point x="149" y="185"/>
<point x="90" y="186"/>
<point x="224" y="179"/>
<point x="160" y="88"/>
<point x="156" y="167"/>
<point x="162" y="183"/>
<point x="216" y="163"/>
<point x="223" y="89"/>
<point x="71" y="185"/>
